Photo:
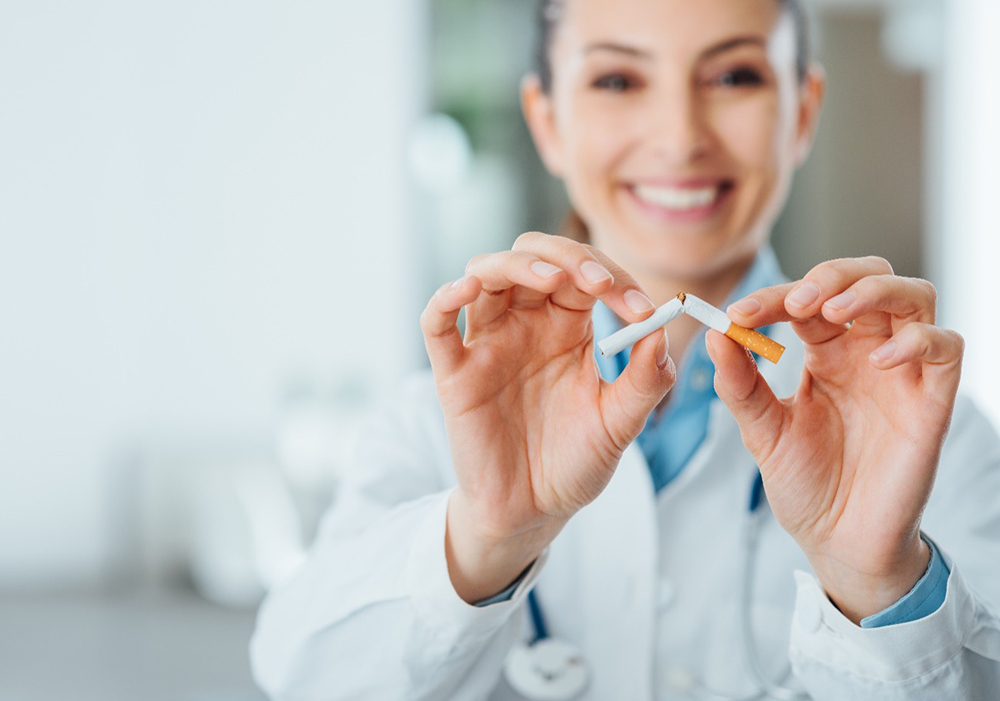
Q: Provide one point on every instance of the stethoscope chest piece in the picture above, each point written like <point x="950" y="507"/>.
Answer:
<point x="548" y="670"/>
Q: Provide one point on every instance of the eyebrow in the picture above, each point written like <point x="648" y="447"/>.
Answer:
<point x="727" y="45"/>
<point x="734" y="43"/>
<point x="617" y="48"/>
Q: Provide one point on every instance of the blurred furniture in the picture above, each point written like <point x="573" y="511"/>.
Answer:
<point x="167" y="646"/>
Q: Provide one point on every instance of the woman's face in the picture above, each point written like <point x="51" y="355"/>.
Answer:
<point x="676" y="125"/>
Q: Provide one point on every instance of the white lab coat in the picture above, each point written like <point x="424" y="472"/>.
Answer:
<point x="645" y="585"/>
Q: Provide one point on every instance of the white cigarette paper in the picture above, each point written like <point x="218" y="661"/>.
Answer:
<point x="622" y="339"/>
<point x="703" y="312"/>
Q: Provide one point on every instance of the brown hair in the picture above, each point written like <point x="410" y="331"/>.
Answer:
<point x="549" y="15"/>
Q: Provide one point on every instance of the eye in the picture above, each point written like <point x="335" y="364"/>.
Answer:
<point x="614" y="82"/>
<point x="739" y="78"/>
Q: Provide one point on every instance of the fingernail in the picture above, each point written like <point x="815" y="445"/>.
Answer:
<point x="884" y="352"/>
<point x="543" y="269"/>
<point x="842" y="301"/>
<point x="746" y="307"/>
<point x="661" y="351"/>
<point x="459" y="282"/>
<point x="637" y="301"/>
<point x="804" y="295"/>
<point x="594" y="272"/>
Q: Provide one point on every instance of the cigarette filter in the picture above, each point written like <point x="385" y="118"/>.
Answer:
<point x="756" y="342"/>
<point x="622" y="339"/>
<point x="717" y="319"/>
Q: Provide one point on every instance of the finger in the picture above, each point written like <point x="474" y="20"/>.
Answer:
<point x="767" y="306"/>
<point x="804" y="298"/>
<point x="567" y="296"/>
<point x="747" y="395"/>
<point x="828" y="280"/>
<point x="876" y="296"/>
<point x="626" y="298"/>
<point x="941" y="349"/>
<point x="622" y="293"/>
<point x="588" y="278"/>
<point x="500" y="273"/>
<point x="442" y="338"/>
<point x="762" y="308"/>
<point x="627" y="402"/>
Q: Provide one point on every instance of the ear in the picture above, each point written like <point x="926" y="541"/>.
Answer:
<point x="811" y="94"/>
<point x="540" y="117"/>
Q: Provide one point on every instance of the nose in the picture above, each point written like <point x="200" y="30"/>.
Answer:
<point x="679" y="131"/>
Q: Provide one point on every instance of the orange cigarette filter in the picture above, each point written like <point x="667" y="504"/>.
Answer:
<point x="717" y="319"/>
<point x="756" y="342"/>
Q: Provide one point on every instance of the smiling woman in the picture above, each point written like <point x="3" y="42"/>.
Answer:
<point x="677" y="155"/>
<point x="721" y="110"/>
<point x="530" y="479"/>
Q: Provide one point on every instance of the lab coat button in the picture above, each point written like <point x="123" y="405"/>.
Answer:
<point x="666" y="593"/>
<point x="810" y="614"/>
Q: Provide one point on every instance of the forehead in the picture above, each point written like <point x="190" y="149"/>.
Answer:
<point x="667" y="26"/>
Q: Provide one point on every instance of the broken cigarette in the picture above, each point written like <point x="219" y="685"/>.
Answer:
<point x="622" y="339"/>
<point x="702" y="311"/>
<point x="716" y="318"/>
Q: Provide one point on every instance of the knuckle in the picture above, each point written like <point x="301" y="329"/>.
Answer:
<point x="926" y="345"/>
<point x="929" y="290"/>
<point x="425" y="318"/>
<point x="817" y="270"/>
<point x="476" y="262"/>
<point x="566" y="248"/>
<point x="959" y="341"/>
<point x="826" y="273"/>
<point x="880" y="263"/>
<point x="577" y="251"/>
<point x="526" y="240"/>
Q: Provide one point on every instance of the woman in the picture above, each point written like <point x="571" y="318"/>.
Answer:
<point x="676" y="127"/>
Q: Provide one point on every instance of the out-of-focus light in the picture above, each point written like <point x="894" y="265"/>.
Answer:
<point x="439" y="153"/>
<point x="912" y="37"/>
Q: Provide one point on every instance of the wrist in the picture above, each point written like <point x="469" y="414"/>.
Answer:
<point x="482" y="564"/>
<point x="861" y="593"/>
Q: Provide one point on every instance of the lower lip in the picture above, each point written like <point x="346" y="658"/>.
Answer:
<point x="694" y="215"/>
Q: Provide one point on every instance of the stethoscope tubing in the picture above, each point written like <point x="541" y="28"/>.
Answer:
<point x="537" y="619"/>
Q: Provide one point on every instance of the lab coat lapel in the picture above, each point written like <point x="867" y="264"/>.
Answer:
<point x="619" y="533"/>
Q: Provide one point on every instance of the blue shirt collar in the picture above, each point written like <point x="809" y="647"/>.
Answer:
<point x="670" y="438"/>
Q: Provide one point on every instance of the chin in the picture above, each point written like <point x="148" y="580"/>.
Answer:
<point x="687" y="254"/>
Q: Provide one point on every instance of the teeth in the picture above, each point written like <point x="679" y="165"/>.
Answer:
<point x="676" y="198"/>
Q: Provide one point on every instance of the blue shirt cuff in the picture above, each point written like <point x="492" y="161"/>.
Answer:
<point x="924" y="599"/>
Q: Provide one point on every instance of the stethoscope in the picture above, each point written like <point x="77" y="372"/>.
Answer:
<point x="549" y="669"/>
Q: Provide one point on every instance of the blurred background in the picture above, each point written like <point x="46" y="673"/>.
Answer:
<point x="204" y="204"/>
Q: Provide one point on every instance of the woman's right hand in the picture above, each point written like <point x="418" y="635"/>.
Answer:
<point x="535" y="433"/>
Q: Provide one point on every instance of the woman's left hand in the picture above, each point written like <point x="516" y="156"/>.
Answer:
<point x="849" y="461"/>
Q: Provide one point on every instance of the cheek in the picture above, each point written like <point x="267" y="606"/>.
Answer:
<point x="752" y="135"/>
<point x="599" y="138"/>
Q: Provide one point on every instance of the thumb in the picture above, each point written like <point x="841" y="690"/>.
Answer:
<point x="747" y="395"/>
<point x="628" y="401"/>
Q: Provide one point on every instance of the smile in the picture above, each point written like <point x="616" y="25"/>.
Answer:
<point x="677" y="198"/>
<point x="687" y="202"/>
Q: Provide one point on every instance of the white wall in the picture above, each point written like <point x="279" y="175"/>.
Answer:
<point x="970" y="245"/>
<point x="198" y="201"/>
